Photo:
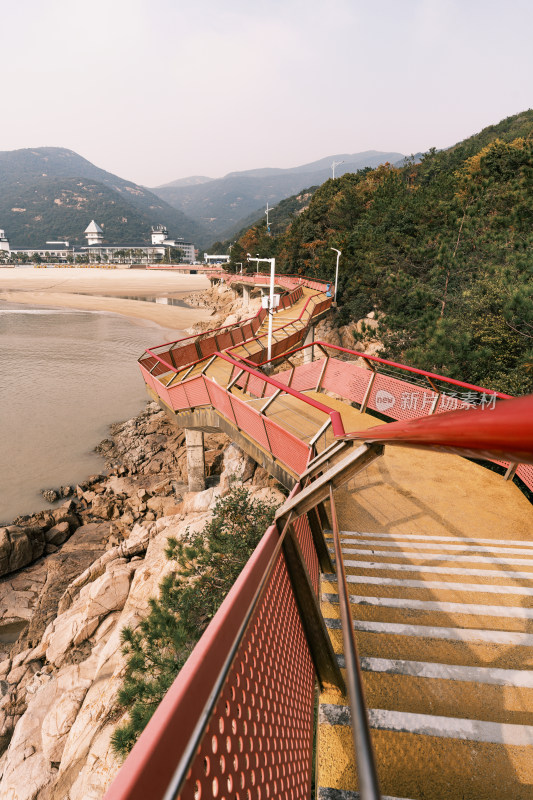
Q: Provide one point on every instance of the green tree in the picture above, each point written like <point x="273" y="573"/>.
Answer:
<point x="207" y="564"/>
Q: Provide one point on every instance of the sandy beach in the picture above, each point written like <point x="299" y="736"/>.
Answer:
<point x="105" y="290"/>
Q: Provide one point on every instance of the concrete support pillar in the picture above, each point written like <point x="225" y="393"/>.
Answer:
<point x="246" y="292"/>
<point x="195" y="459"/>
<point x="309" y="353"/>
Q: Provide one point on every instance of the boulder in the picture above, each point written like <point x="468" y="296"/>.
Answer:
<point x="58" y="534"/>
<point x="95" y="601"/>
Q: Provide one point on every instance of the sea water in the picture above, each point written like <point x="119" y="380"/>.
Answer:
<point x="65" y="376"/>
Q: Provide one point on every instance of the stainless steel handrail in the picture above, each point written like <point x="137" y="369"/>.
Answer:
<point x="364" y="753"/>
<point x="180" y="773"/>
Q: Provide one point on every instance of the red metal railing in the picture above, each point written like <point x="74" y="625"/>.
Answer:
<point x="190" y="349"/>
<point x="382" y="387"/>
<point x="238" y="720"/>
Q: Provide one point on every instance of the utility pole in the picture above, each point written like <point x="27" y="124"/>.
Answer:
<point x="335" y="164"/>
<point x="336" y="272"/>
<point x="272" y="262"/>
<point x="268" y="223"/>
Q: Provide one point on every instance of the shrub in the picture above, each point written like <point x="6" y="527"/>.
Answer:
<point x="207" y="565"/>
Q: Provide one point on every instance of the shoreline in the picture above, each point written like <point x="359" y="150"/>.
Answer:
<point x="104" y="290"/>
<point x="210" y="310"/>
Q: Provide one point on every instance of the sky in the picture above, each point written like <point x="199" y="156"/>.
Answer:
<point x="155" y="90"/>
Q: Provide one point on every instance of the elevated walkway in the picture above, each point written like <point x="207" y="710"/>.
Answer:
<point x="437" y="552"/>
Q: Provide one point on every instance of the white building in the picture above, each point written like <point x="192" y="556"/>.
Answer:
<point x="94" y="234"/>
<point x="216" y="259"/>
<point x="158" y="250"/>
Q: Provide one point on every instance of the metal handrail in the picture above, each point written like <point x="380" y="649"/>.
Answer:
<point x="503" y="432"/>
<point x="414" y="370"/>
<point x="184" y="765"/>
<point x="364" y="753"/>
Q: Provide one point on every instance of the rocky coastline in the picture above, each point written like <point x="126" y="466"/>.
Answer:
<point x="72" y="576"/>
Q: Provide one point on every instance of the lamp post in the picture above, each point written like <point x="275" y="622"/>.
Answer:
<point x="336" y="272"/>
<point x="267" y="213"/>
<point x="272" y="262"/>
<point x="335" y="164"/>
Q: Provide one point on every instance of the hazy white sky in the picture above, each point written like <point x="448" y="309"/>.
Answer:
<point x="155" y="90"/>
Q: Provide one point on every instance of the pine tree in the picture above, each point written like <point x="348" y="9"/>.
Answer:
<point x="207" y="565"/>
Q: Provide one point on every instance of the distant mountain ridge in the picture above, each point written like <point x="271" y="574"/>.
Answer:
<point x="224" y="204"/>
<point x="50" y="193"/>
<point x="192" y="180"/>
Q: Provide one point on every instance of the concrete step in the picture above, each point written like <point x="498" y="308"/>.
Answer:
<point x="429" y="757"/>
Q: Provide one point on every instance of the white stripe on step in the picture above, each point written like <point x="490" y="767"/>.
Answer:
<point x="528" y="562"/>
<point x="439" y="548"/>
<point x="483" y="573"/>
<point x="473" y="730"/>
<point x="436" y="632"/>
<point x="425" y="538"/>
<point x="450" y="672"/>
<point x="435" y="605"/>
<point x="451" y="727"/>
<point x="449" y="586"/>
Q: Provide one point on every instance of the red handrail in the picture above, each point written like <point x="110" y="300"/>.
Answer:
<point x="335" y="416"/>
<point x="282" y="327"/>
<point x="366" y="357"/>
<point x="503" y="431"/>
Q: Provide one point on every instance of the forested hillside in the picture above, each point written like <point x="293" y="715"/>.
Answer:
<point x="53" y="193"/>
<point x="442" y="250"/>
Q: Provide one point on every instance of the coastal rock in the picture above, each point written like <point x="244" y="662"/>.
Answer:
<point x="58" y="722"/>
<point x="96" y="600"/>
<point x="58" y="534"/>
<point x="50" y="495"/>
<point x="19" y="547"/>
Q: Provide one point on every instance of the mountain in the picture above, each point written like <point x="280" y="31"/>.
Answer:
<point x="440" y="250"/>
<point x="50" y="193"/>
<point x="223" y="205"/>
<point x="193" y="180"/>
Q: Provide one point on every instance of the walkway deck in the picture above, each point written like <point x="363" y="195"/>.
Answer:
<point x="439" y="555"/>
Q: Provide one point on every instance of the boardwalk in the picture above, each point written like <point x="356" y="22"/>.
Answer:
<point x="438" y="552"/>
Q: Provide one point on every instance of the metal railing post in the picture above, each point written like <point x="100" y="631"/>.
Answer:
<point x="366" y="398"/>
<point x="511" y="471"/>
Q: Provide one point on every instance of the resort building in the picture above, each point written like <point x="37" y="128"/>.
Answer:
<point x="97" y="251"/>
<point x="216" y="259"/>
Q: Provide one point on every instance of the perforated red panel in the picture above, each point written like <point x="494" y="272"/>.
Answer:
<point x="306" y="376"/>
<point x="525" y="472"/>
<point x="186" y="354"/>
<point x="251" y="422"/>
<point x="255" y="386"/>
<point x="208" y="346"/>
<point x="258" y="744"/>
<point x="286" y="447"/>
<point x="177" y="398"/>
<point x="346" y="379"/>
<point x="400" y="399"/>
<point x="196" y="392"/>
<point x="307" y="546"/>
<point x="224" y="340"/>
<point x="220" y="400"/>
<point x="247" y="332"/>
<point x="148" y="378"/>
<point x="237" y="335"/>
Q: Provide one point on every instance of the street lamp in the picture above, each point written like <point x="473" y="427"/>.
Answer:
<point x="335" y="164"/>
<point x="272" y="262"/>
<point x="267" y="213"/>
<point x="336" y="272"/>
